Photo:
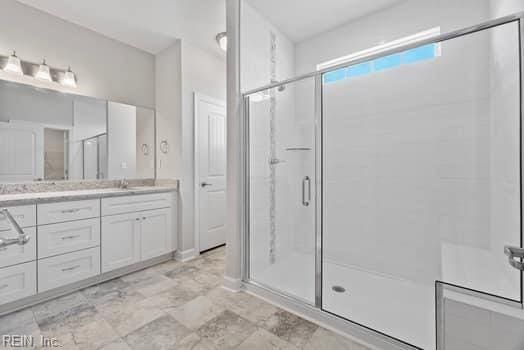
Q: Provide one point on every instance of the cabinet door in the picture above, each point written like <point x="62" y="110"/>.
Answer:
<point x="156" y="233"/>
<point x="16" y="254"/>
<point x="120" y="241"/>
<point x="17" y="282"/>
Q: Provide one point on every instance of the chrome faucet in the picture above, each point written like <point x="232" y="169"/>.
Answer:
<point x="124" y="184"/>
<point x="22" y="237"/>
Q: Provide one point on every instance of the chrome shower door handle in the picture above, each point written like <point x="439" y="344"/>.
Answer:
<point x="515" y="256"/>
<point x="306" y="187"/>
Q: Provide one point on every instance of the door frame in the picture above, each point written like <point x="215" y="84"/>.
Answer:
<point x="197" y="98"/>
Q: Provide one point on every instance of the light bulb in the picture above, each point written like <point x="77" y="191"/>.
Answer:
<point x="69" y="78"/>
<point x="43" y="72"/>
<point x="14" y="65"/>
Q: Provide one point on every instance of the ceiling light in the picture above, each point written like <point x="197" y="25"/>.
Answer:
<point x="13" y="65"/>
<point x="43" y="72"/>
<point x="221" y="39"/>
<point x="69" y="78"/>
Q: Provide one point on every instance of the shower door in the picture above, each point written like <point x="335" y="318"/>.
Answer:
<point x="281" y="188"/>
<point x="422" y="181"/>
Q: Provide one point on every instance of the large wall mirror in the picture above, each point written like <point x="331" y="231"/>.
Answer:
<point x="48" y="136"/>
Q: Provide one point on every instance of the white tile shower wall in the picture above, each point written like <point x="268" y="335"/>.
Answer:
<point x="504" y="93"/>
<point x="304" y="136"/>
<point x="256" y="71"/>
<point x="416" y="166"/>
<point x="469" y="327"/>
<point x="255" y="53"/>
<point x="408" y="173"/>
<point x="477" y="328"/>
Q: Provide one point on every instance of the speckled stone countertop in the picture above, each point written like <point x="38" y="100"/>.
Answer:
<point x="48" y="196"/>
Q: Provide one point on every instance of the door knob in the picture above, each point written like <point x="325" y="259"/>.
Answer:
<point x="205" y="184"/>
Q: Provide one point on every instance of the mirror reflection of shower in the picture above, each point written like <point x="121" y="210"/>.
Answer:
<point x="94" y="153"/>
<point x="55" y="154"/>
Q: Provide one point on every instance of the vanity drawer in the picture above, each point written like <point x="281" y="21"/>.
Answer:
<point x="68" y="211"/>
<point x="17" y="254"/>
<point x="24" y="215"/>
<point x="133" y="203"/>
<point x="17" y="282"/>
<point x="68" y="268"/>
<point x="68" y="237"/>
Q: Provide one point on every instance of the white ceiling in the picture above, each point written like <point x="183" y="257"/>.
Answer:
<point x="153" y="25"/>
<point x="300" y="19"/>
<point x="150" y="25"/>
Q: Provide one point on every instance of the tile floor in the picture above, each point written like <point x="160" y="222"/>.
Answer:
<point x="173" y="305"/>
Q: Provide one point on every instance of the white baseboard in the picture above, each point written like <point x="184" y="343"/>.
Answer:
<point x="185" y="255"/>
<point x="232" y="284"/>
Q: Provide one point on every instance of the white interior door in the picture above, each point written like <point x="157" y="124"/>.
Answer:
<point x="21" y="152"/>
<point x="210" y="151"/>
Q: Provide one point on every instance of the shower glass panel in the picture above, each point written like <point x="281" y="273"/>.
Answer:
<point x="421" y="181"/>
<point x="281" y="184"/>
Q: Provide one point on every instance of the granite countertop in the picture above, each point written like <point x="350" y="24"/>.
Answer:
<point x="7" y="200"/>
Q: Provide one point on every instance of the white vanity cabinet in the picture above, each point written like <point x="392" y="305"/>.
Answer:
<point x="155" y="233"/>
<point x="120" y="241"/>
<point x="18" y="262"/>
<point x="74" y="243"/>
<point x="17" y="282"/>
<point x="131" y="234"/>
<point x="68" y="242"/>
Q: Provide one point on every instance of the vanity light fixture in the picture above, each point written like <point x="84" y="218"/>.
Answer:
<point x="44" y="73"/>
<point x="221" y="39"/>
<point x="69" y="78"/>
<point x="13" y="65"/>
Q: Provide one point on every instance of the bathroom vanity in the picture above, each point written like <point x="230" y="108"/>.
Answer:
<point x="71" y="219"/>
<point x="80" y="238"/>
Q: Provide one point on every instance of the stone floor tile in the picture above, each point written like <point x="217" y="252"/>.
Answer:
<point x="64" y="314"/>
<point x="91" y="336"/>
<point x="170" y="299"/>
<point x="290" y="327"/>
<point x="149" y="283"/>
<point x="264" y="340"/>
<point x="118" y="344"/>
<point x="194" y="342"/>
<point x="21" y="322"/>
<point x="127" y="318"/>
<point x="227" y="330"/>
<point x="196" y="312"/>
<point x="323" y="338"/>
<point x="112" y="292"/>
<point x="183" y="271"/>
<point x="162" y="333"/>
<point x="252" y="308"/>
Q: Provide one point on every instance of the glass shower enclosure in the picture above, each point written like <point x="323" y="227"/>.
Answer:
<point x="387" y="191"/>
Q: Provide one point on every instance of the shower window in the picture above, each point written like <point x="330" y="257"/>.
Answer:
<point x="422" y="53"/>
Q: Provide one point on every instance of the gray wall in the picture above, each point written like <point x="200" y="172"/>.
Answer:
<point x="105" y="68"/>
